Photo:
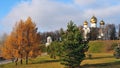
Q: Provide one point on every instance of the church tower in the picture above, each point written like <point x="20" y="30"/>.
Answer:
<point x="102" y="23"/>
<point x="93" y="21"/>
<point x="86" y="30"/>
<point x="101" y="30"/>
<point x="85" y="24"/>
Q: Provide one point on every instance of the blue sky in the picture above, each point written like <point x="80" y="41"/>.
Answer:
<point x="6" y="6"/>
<point x="50" y="15"/>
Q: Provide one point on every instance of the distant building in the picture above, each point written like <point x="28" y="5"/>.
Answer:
<point x="86" y="30"/>
<point x="49" y="41"/>
<point x="93" y="30"/>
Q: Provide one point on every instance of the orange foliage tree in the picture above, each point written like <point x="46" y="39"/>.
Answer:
<point x="23" y="42"/>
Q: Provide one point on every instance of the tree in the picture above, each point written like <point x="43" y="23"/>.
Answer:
<point x="31" y="39"/>
<point x="54" y="49"/>
<point x="73" y="46"/>
<point x="25" y="40"/>
<point x="7" y="50"/>
<point x="117" y="52"/>
<point x="112" y="32"/>
<point x="94" y="33"/>
<point x="119" y="32"/>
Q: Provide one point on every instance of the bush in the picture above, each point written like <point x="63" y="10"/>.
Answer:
<point x="54" y="49"/>
<point x="43" y="48"/>
<point x="117" y="52"/>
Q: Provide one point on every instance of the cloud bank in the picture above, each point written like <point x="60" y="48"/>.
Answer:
<point x="50" y="15"/>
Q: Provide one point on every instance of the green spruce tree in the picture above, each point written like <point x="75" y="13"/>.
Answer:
<point x="73" y="47"/>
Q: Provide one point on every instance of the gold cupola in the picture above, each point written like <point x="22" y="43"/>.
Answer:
<point x="102" y="22"/>
<point x="93" y="20"/>
<point x="85" y="23"/>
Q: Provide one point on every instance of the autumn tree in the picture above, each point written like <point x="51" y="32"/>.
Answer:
<point x="7" y="50"/>
<point x="24" y="40"/>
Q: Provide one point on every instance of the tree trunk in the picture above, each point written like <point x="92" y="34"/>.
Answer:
<point x="27" y="58"/>
<point x="21" y="60"/>
<point x="16" y="60"/>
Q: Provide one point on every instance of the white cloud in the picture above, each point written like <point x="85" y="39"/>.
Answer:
<point x="109" y="14"/>
<point x="51" y="15"/>
<point x="84" y="2"/>
<point x="48" y="15"/>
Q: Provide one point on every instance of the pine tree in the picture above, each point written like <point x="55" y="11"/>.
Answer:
<point x="54" y="49"/>
<point x="73" y="46"/>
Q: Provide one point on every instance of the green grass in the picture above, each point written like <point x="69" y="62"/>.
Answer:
<point x="96" y="46"/>
<point x="39" y="62"/>
<point x="99" y="46"/>
<point x="102" y="57"/>
<point x="99" y="60"/>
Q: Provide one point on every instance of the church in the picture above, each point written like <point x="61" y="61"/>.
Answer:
<point x="93" y="32"/>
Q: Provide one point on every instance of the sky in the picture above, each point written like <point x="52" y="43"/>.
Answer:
<point x="51" y="15"/>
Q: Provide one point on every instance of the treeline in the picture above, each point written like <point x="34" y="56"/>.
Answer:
<point x="111" y="32"/>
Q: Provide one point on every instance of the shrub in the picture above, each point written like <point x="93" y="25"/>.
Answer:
<point x="117" y="52"/>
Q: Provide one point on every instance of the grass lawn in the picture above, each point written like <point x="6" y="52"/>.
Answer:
<point x="99" y="60"/>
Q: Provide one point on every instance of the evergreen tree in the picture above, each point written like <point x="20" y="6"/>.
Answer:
<point x="54" y="49"/>
<point x="73" y="46"/>
<point x="117" y="52"/>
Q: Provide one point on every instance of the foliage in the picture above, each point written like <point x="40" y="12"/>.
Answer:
<point x="55" y="36"/>
<point x="23" y="41"/>
<point x="54" y="49"/>
<point x="43" y="48"/>
<point x="117" y="52"/>
<point x="73" y="46"/>
<point x="8" y="52"/>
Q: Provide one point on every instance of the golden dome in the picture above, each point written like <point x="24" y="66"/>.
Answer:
<point x="93" y="19"/>
<point x="102" y="22"/>
<point x="85" y="23"/>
